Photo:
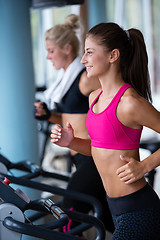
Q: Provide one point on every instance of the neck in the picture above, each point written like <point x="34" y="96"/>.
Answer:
<point x="111" y="83"/>
<point x="69" y="61"/>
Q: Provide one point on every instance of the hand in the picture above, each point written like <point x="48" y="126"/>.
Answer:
<point x="41" y="111"/>
<point x="62" y="136"/>
<point x="130" y="172"/>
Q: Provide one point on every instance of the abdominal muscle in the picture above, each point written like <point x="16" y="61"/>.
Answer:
<point x="107" y="162"/>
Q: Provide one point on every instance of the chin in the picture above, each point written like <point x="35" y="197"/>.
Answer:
<point x="57" y="68"/>
<point x="89" y="75"/>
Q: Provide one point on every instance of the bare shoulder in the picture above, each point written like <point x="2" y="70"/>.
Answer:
<point x="135" y="111"/>
<point x="131" y="101"/>
<point x="87" y="85"/>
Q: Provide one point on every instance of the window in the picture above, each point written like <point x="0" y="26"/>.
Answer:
<point x="143" y="15"/>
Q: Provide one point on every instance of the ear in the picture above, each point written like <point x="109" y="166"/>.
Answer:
<point x="68" y="48"/>
<point x="114" y="55"/>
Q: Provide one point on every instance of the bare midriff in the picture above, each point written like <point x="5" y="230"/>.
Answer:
<point x="107" y="162"/>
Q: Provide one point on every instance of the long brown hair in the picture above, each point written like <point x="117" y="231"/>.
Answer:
<point x="133" y="54"/>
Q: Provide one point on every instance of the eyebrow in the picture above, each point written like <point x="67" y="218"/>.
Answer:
<point x="89" y="49"/>
<point x="50" y="49"/>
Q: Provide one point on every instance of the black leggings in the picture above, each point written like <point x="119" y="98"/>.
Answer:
<point x="86" y="179"/>
<point x="136" y="216"/>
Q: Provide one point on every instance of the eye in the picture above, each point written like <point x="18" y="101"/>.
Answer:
<point x="50" y="51"/>
<point x="89" y="52"/>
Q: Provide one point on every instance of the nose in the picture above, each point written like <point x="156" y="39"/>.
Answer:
<point x="83" y="60"/>
<point x="47" y="57"/>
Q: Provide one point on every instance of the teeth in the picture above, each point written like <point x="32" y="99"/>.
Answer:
<point x="88" y="67"/>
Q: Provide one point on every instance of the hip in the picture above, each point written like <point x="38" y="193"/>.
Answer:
<point x="144" y="198"/>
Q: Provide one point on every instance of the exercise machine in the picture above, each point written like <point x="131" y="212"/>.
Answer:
<point x="26" y="180"/>
<point x="14" y="222"/>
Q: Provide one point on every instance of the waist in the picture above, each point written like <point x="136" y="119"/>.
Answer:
<point x="107" y="162"/>
<point x="144" y="198"/>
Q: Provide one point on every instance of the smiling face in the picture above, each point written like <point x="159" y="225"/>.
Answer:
<point x="57" y="55"/>
<point x="95" y="58"/>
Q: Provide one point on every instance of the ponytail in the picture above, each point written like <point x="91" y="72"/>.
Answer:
<point x="136" y="71"/>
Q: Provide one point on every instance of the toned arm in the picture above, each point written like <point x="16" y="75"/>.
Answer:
<point x="64" y="137"/>
<point x="55" y="118"/>
<point x="139" y="113"/>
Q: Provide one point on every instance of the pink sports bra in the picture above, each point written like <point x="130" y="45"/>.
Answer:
<point x="106" y="131"/>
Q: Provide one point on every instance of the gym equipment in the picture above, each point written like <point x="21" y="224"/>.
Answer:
<point x="35" y="171"/>
<point x="14" y="222"/>
<point x="12" y="206"/>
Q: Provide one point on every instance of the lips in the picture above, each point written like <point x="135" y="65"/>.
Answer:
<point x="88" y="68"/>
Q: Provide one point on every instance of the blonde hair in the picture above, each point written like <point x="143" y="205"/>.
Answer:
<point x="63" y="34"/>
